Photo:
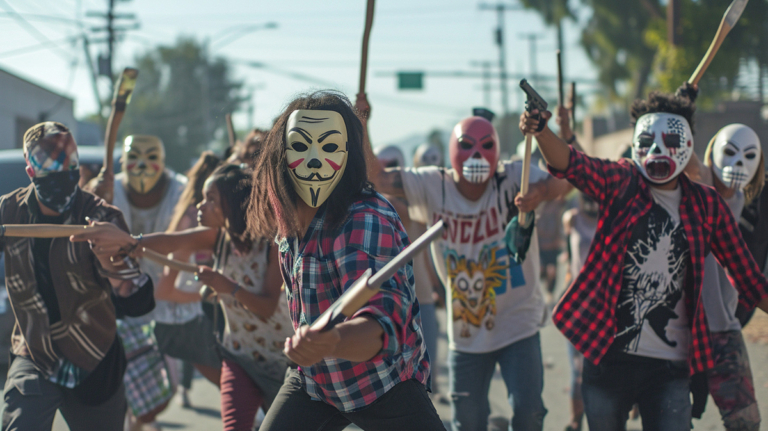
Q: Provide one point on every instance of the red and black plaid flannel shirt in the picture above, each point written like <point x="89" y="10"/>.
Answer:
<point x="586" y="313"/>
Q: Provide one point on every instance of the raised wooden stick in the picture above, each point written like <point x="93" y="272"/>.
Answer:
<point x="231" y="131"/>
<point x="366" y="35"/>
<point x="729" y="20"/>
<point x="560" y="92"/>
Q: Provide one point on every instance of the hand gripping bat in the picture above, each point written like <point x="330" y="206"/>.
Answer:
<point x="731" y="16"/>
<point x="368" y="285"/>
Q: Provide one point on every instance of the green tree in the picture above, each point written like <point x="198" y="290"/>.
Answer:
<point x="182" y="96"/>
<point x="627" y="42"/>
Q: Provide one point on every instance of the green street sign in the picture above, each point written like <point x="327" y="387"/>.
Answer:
<point x="410" y="80"/>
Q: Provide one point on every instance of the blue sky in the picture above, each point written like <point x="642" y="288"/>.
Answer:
<point x="320" y="39"/>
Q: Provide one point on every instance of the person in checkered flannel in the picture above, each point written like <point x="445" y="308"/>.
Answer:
<point x="66" y="354"/>
<point x="311" y="192"/>
<point x="635" y="310"/>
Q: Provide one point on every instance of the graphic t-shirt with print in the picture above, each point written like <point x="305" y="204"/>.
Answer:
<point x="493" y="302"/>
<point x="651" y="319"/>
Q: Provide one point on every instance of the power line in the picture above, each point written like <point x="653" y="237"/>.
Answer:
<point x="31" y="29"/>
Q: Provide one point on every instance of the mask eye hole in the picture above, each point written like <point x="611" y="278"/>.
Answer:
<point x="298" y="146"/>
<point x="478" y="286"/>
<point x="645" y="140"/>
<point x="672" y="140"/>
<point x="488" y="145"/>
<point x="729" y="152"/>
<point x="153" y="157"/>
<point x="330" y="148"/>
<point x="465" y="145"/>
<point x="132" y="157"/>
<point x="750" y="156"/>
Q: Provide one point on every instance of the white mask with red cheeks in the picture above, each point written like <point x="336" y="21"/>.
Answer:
<point x="474" y="149"/>
<point x="662" y="145"/>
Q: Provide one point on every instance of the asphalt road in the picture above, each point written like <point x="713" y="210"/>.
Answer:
<point x="205" y="415"/>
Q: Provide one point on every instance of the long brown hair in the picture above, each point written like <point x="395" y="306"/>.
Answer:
<point x="234" y="184"/>
<point x="193" y="192"/>
<point x="273" y="202"/>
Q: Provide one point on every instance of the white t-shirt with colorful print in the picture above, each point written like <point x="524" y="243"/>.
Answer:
<point x="493" y="301"/>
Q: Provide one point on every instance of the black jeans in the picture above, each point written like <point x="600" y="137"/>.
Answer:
<point x="659" y="387"/>
<point x="31" y="400"/>
<point x="405" y="407"/>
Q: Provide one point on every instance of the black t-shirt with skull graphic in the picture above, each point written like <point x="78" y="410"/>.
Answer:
<point x="651" y="318"/>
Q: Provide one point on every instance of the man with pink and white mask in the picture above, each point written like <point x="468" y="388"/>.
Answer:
<point x="495" y="306"/>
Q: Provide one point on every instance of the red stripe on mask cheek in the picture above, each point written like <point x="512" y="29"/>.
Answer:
<point x="333" y="165"/>
<point x="296" y="163"/>
<point x="130" y="166"/>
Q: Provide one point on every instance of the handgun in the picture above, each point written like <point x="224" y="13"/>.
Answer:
<point x="534" y="101"/>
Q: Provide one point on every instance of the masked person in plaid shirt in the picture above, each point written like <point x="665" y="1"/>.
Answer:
<point x="311" y="189"/>
<point x="635" y="311"/>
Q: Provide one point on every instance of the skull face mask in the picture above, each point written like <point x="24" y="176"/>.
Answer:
<point x="143" y="162"/>
<point x="316" y="152"/>
<point x="661" y="146"/>
<point x="474" y="149"/>
<point x="735" y="153"/>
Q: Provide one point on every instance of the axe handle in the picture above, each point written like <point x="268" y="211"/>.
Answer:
<point x="113" y="124"/>
<point x="366" y="35"/>
<point x="722" y="31"/>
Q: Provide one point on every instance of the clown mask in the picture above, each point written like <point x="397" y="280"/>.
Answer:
<point x="661" y="146"/>
<point x="316" y="152"/>
<point x="474" y="149"/>
<point x="143" y="162"/>
<point x="735" y="155"/>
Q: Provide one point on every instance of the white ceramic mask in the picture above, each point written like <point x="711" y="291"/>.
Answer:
<point x="736" y="155"/>
<point x="662" y="145"/>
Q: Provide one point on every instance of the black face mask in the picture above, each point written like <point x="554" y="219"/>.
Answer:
<point x="57" y="189"/>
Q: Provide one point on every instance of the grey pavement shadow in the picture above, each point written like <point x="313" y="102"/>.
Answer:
<point x="170" y="425"/>
<point x="205" y="411"/>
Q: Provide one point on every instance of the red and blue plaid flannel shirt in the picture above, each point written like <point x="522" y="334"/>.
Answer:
<point x="327" y="264"/>
<point x="586" y="313"/>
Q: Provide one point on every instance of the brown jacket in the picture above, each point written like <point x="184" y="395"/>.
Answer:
<point x="87" y="327"/>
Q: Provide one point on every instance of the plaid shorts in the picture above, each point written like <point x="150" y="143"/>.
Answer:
<point x="147" y="381"/>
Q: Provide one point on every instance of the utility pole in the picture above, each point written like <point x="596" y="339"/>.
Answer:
<point x="532" y="55"/>
<point x="500" y="8"/>
<point x="113" y="33"/>
<point x="486" y="66"/>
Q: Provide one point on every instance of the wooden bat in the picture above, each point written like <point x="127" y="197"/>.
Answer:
<point x="368" y="285"/>
<point x="65" y="231"/>
<point x="729" y="20"/>
<point x="103" y="184"/>
<point x="43" y="230"/>
<point x="366" y="35"/>
<point x="231" y="131"/>
<point x="560" y="93"/>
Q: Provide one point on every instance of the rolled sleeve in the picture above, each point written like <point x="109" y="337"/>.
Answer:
<point x="598" y="178"/>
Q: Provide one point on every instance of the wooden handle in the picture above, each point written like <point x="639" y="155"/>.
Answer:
<point x="170" y="263"/>
<point x="722" y="31"/>
<point x="44" y="230"/>
<point x="366" y="35"/>
<point x="560" y="92"/>
<point x="526" y="175"/>
<point x="230" y="131"/>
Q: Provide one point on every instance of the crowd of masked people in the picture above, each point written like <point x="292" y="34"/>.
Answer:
<point x="665" y="254"/>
